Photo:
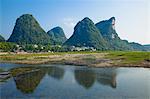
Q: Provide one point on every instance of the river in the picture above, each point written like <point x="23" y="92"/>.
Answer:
<point x="75" y="82"/>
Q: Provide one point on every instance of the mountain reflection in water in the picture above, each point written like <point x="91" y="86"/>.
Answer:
<point x="27" y="82"/>
<point x="107" y="76"/>
<point x="86" y="77"/>
<point x="48" y="81"/>
<point x="56" y="72"/>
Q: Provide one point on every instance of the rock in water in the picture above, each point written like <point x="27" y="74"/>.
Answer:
<point x="28" y="31"/>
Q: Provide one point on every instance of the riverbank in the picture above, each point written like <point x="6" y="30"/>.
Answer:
<point x="91" y="59"/>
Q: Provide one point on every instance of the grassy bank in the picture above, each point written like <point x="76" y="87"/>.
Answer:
<point x="93" y="59"/>
<point x="130" y="58"/>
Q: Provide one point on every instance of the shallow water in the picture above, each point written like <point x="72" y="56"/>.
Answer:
<point x="76" y="82"/>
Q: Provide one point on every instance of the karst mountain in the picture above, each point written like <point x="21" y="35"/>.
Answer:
<point x="101" y="36"/>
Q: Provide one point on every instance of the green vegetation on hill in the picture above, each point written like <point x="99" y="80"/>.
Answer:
<point x="86" y="34"/>
<point x="58" y="36"/>
<point x="107" y="29"/>
<point x="28" y="31"/>
<point x="7" y="46"/>
<point x="108" y="32"/>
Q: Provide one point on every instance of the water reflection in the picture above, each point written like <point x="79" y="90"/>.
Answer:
<point x="107" y="77"/>
<point x="86" y="77"/>
<point x="104" y="76"/>
<point x="71" y="82"/>
<point x="56" y="72"/>
<point x="27" y="82"/>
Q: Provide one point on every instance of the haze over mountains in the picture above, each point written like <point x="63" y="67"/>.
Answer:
<point x="101" y="36"/>
<point x="2" y="39"/>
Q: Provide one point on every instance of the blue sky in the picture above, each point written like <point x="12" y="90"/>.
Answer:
<point x="132" y="16"/>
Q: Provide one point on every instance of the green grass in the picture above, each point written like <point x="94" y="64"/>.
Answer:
<point x="127" y="57"/>
<point x="11" y="57"/>
<point x="89" y="58"/>
<point x="118" y="57"/>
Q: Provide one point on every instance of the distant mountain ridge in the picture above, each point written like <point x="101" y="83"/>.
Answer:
<point x="101" y="36"/>
<point x="108" y="38"/>
<point x="147" y="47"/>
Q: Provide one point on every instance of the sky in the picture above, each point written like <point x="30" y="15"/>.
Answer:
<point x="132" y="16"/>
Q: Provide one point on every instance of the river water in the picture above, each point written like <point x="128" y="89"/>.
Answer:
<point x="75" y="82"/>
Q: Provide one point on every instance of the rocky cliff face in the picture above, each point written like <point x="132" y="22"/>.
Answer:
<point x="28" y="31"/>
<point x="58" y="35"/>
<point x="107" y="29"/>
<point x="86" y="34"/>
